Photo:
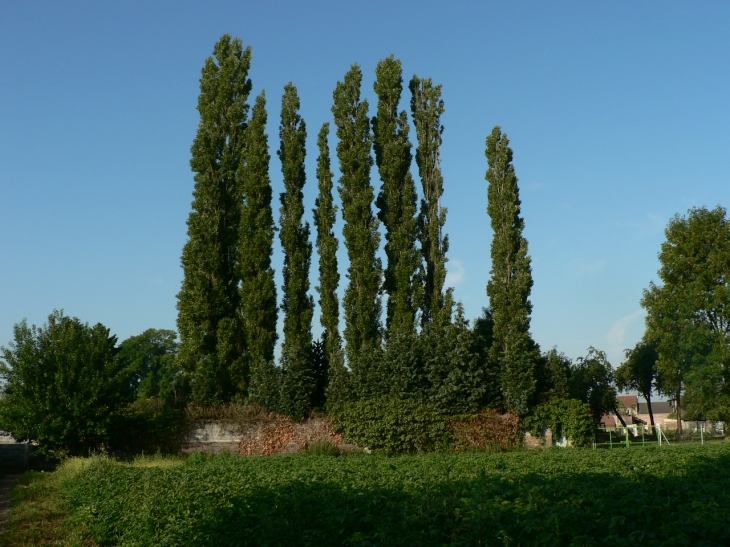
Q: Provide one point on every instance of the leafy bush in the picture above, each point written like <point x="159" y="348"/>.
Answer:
<point x="393" y="425"/>
<point x="62" y="385"/>
<point x="486" y="430"/>
<point x="149" y="425"/>
<point x="567" y="417"/>
<point x="150" y="359"/>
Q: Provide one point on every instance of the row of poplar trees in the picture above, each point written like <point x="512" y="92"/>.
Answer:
<point x="228" y="302"/>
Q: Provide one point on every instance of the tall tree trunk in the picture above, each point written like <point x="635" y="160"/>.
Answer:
<point x="679" y="412"/>
<point x="651" y="413"/>
<point x="618" y="415"/>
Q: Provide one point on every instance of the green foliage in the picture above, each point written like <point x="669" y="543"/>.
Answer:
<point x="320" y="375"/>
<point x="556" y="373"/>
<point x="426" y="110"/>
<point x="592" y="381"/>
<point x="322" y="447"/>
<point x="445" y="366"/>
<point x="62" y="385"/>
<point x="149" y="425"/>
<point x="529" y="498"/>
<point x="150" y="358"/>
<point x="211" y="336"/>
<point x="514" y="352"/>
<point x="362" y="301"/>
<point x="324" y="219"/>
<point x="570" y="418"/>
<point x="298" y="383"/>
<point x="258" y="290"/>
<point x="639" y="372"/>
<point x="401" y="372"/>
<point x="392" y="425"/>
<point x="688" y="316"/>
<point x="265" y="387"/>
<point x="455" y="367"/>
<point x="397" y="199"/>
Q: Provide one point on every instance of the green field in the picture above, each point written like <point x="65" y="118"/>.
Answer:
<point x="641" y="496"/>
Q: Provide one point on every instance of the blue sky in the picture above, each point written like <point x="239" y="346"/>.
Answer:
<point x="618" y="115"/>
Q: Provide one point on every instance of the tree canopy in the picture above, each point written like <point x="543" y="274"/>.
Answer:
<point x="62" y="385"/>
<point x="688" y="315"/>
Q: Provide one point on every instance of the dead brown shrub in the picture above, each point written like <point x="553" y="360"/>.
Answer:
<point x="487" y="430"/>
<point x="274" y="433"/>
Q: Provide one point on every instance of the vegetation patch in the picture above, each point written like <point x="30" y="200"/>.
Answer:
<point x="648" y="496"/>
<point x="39" y="516"/>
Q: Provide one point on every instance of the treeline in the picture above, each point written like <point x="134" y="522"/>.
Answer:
<point x="424" y="348"/>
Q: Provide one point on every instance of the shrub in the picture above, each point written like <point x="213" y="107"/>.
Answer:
<point x="323" y="447"/>
<point x="566" y="417"/>
<point x="486" y="430"/>
<point x="149" y="425"/>
<point x="269" y="433"/>
<point x="62" y="385"/>
<point x="393" y="425"/>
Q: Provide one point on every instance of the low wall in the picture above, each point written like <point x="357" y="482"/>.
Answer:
<point x="270" y="434"/>
<point x="212" y="437"/>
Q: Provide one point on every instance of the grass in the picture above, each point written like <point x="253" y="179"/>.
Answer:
<point x="641" y="496"/>
<point x="38" y="515"/>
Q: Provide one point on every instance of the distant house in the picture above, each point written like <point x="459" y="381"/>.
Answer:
<point x="661" y="411"/>
<point x="636" y="412"/>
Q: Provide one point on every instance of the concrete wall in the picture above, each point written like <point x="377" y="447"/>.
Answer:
<point x="212" y="437"/>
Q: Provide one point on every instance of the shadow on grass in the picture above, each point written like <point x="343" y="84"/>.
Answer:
<point x="560" y="509"/>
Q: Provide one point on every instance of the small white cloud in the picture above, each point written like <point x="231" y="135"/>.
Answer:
<point x="454" y="272"/>
<point x="617" y="335"/>
<point x="586" y="267"/>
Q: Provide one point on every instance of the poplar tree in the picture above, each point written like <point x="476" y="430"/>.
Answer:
<point x="397" y="199"/>
<point x="211" y="333"/>
<point x="362" y="302"/>
<point x="426" y="109"/>
<point x="258" y="290"/>
<point x="296" y="354"/>
<point x="513" y="351"/>
<point x="325" y="212"/>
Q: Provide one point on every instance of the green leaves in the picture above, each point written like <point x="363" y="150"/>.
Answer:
<point x="426" y="110"/>
<point x="592" y="381"/>
<point x="554" y="497"/>
<point x="570" y="418"/>
<point x="509" y="286"/>
<point x="258" y="290"/>
<point x="298" y="382"/>
<point x="688" y="317"/>
<point x="392" y="425"/>
<point x="62" y="385"/>
<point x="325" y="211"/>
<point x="362" y="302"/>
<point x="209" y="299"/>
<point x="397" y="199"/>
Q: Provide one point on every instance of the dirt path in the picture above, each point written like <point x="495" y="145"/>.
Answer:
<point x="6" y="483"/>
